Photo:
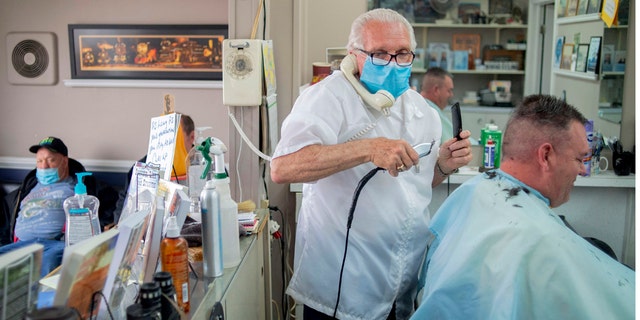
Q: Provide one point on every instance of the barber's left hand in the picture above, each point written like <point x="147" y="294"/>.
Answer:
<point x="455" y="153"/>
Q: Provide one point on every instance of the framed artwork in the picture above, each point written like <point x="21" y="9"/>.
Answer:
<point x="582" y="6"/>
<point x="468" y="10"/>
<point x="467" y="41"/>
<point x="593" y="56"/>
<point x="594" y="6"/>
<point x="160" y="52"/>
<point x="500" y="6"/>
<point x="581" y="57"/>
<point x="608" y="51"/>
<point x="424" y="13"/>
<point x="557" y="56"/>
<point x="572" y="8"/>
<point x="561" y="8"/>
<point x="567" y="52"/>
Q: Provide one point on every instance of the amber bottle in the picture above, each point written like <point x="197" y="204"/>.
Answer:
<point x="174" y="255"/>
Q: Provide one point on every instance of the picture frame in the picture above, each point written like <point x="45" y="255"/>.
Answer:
<point x="594" y="6"/>
<point x="561" y="8"/>
<point x="572" y="8"/>
<point x="467" y="41"/>
<point x="567" y="52"/>
<point x="593" y="56"/>
<point x="608" y="51"/>
<point x="581" y="58"/>
<point x="500" y="6"/>
<point x="557" y="58"/>
<point x="146" y="52"/>
<point x="424" y="13"/>
<point x="582" y="7"/>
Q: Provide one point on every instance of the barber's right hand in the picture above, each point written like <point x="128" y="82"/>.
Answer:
<point x="395" y="156"/>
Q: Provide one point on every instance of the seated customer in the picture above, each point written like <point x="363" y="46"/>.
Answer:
<point x="37" y="204"/>
<point x="501" y="252"/>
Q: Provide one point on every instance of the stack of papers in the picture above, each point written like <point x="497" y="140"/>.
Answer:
<point x="248" y="221"/>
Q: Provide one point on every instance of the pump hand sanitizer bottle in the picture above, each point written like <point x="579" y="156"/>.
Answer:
<point x="81" y="209"/>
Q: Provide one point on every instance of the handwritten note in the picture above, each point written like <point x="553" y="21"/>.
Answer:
<point x="610" y="12"/>
<point x="162" y="142"/>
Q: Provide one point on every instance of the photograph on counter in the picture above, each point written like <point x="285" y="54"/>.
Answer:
<point x="162" y="52"/>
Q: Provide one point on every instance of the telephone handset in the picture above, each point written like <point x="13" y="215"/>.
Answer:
<point x="381" y="100"/>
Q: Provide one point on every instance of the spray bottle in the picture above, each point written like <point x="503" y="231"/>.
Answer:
<point x="82" y="221"/>
<point x="228" y="207"/>
<point x="195" y="164"/>
<point x="211" y="219"/>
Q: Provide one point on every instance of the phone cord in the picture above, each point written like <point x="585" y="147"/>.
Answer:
<point x="363" y="131"/>
<point x="356" y="194"/>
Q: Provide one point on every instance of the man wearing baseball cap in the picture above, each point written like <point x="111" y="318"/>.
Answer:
<point x="38" y="204"/>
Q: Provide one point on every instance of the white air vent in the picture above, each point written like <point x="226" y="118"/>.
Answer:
<point x="32" y="58"/>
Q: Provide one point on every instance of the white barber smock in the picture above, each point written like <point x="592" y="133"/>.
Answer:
<point x="500" y="252"/>
<point x="388" y="237"/>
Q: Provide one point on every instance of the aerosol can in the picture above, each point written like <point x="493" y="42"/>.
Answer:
<point x="211" y="231"/>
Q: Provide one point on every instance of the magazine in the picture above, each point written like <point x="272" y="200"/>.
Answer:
<point x="19" y="275"/>
<point x="84" y="271"/>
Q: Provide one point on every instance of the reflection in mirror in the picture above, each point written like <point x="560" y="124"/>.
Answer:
<point x="610" y="104"/>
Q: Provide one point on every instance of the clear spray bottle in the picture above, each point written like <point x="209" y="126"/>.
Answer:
<point x="81" y="209"/>
<point x="197" y="176"/>
<point x="228" y="207"/>
<point x="195" y="164"/>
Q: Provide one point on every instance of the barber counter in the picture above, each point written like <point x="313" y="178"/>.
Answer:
<point x="601" y="206"/>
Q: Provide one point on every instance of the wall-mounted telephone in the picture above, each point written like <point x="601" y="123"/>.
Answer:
<point x="381" y="100"/>
<point x="242" y="72"/>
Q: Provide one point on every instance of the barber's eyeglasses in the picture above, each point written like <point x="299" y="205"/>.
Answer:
<point x="403" y="59"/>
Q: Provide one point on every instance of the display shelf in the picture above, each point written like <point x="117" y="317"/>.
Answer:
<point x="475" y="79"/>
<point x="586" y="91"/>
<point x="612" y="73"/>
<point x="578" y="19"/>
<point x="470" y="26"/>
<point x="576" y="75"/>
<point x="514" y="72"/>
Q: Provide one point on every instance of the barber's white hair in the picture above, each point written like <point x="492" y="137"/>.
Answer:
<point x="380" y="14"/>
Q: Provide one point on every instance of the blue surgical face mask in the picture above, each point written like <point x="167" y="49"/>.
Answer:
<point x="391" y="77"/>
<point x="47" y="176"/>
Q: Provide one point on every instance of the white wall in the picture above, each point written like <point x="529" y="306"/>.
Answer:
<point x="108" y="123"/>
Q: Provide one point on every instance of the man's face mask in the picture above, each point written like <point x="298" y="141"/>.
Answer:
<point x="391" y="77"/>
<point x="47" y="176"/>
